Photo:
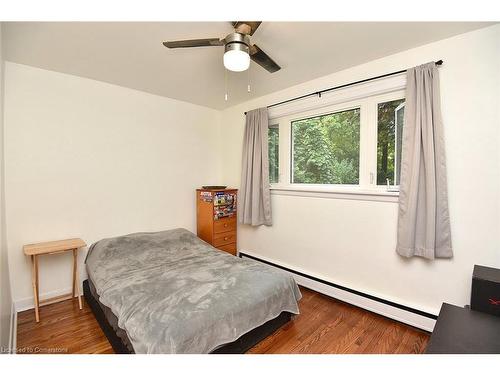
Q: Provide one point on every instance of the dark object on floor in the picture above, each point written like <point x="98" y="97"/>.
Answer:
<point x="121" y="344"/>
<point x="485" y="293"/>
<point x="214" y="187"/>
<point x="463" y="331"/>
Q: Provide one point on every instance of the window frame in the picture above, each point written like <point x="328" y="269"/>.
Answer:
<point x="396" y="150"/>
<point x="383" y="100"/>
<point x="367" y="187"/>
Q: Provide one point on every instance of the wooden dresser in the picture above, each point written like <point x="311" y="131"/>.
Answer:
<point x="216" y="218"/>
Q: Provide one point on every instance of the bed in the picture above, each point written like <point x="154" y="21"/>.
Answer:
<point x="170" y="292"/>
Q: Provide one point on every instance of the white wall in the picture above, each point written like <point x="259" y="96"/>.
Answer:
<point x="92" y="160"/>
<point x="5" y="291"/>
<point x="352" y="242"/>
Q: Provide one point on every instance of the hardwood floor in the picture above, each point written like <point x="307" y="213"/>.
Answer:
<point x="63" y="328"/>
<point x="325" y="325"/>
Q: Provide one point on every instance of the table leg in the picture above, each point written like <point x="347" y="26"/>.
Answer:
<point x="34" y="278"/>
<point x="37" y="282"/>
<point x="74" y="272"/>
<point x="76" y="278"/>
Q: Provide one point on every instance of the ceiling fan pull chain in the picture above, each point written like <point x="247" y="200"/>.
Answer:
<point x="248" y="80"/>
<point x="225" y="85"/>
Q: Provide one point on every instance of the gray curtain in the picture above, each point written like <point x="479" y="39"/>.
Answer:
<point x="255" y="196"/>
<point x="423" y="217"/>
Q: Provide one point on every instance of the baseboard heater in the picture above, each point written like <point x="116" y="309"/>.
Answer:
<point x="393" y="310"/>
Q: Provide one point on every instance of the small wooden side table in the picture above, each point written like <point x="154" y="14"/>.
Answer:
<point x="49" y="248"/>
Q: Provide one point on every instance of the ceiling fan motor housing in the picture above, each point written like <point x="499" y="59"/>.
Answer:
<point x="237" y="41"/>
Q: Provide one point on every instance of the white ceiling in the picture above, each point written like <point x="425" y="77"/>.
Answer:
<point x="131" y="54"/>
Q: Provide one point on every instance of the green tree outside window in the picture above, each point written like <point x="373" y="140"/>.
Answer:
<point x="326" y="148"/>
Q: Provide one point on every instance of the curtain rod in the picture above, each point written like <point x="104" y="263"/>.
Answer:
<point x="319" y="93"/>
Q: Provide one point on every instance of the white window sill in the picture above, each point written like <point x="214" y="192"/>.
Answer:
<point x="337" y="192"/>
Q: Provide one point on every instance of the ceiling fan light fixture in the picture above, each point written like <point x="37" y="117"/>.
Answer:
<point x="236" y="57"/>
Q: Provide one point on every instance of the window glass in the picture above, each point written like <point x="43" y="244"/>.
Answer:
<point x="390" y="119"/>
<point x="326" y="148"/>
<point x="274" y="138"/>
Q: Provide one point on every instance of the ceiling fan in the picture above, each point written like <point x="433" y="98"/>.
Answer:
<point x="237" y="47"/>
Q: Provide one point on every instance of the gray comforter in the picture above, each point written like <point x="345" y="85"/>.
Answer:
<point x="174" y="293"/>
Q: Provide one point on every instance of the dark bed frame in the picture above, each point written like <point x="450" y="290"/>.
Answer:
<point x="240" y="346"/>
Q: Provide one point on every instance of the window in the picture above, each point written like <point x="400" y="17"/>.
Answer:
<point x="390" y="116"/>
<point x="326" y="149"/>
<point x="274" y="147"/>
<point x="344" y="142"/>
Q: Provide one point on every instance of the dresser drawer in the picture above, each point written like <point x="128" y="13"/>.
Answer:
<point x="230" y="248"/>
<point x="225" y="225"/>
<point x="224" y="238"/>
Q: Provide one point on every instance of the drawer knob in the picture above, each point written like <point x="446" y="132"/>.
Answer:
<point x="226" y="238"/>
<point x="225" y="225"/>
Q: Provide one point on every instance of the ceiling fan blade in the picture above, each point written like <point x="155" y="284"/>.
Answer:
<point x="209" y="42"/>
<point x="261" y="58"/>
<point x="253" y="25"/>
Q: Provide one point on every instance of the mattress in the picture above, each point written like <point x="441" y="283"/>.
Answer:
<point x="170" y="292"/>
